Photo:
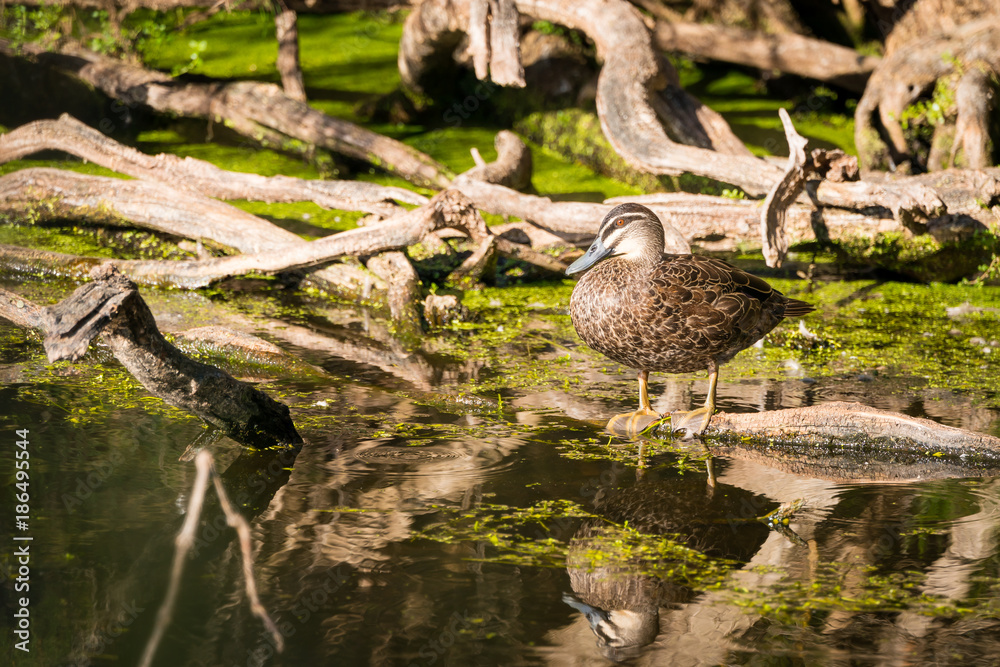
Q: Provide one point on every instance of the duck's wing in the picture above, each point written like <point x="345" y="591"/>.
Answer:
<point x="725" y="304"/>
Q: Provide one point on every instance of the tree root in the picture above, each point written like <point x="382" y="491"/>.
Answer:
<point x="910" y="72"/>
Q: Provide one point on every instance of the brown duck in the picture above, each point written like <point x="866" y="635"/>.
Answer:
<point x="669" y="313"/>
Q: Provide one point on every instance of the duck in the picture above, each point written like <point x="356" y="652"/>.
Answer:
<point x="668" y="313"/>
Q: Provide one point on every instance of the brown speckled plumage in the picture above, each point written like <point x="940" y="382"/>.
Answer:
<point x="670" y="313"/>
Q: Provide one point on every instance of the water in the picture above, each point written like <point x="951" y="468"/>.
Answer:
<point x="419" y="525"/>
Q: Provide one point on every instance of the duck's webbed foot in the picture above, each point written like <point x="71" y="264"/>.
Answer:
<point x="633" y="423"/>
<point x="693" y="421"/>
<point x="696" y="421"/>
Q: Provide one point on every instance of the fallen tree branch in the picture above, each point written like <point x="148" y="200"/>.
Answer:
<point x="774" y="242"/>
<point x="785" y="52"/>
<point x="40" y="194"/>
<point x="53" y="195"/>
<point x="193" y="175"/>
<point x="576" y="222"/>
<point x="251" y="108"/>
<point x="111" y="306"/>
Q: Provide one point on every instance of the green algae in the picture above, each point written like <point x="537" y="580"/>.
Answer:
<point x="538" y="535"/>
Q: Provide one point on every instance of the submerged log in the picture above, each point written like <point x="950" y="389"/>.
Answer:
<point x="111" y="306"/>
<point x="819" y="434"/>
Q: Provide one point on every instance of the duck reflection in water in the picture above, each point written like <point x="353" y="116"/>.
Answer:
<point x="622" y="596"/>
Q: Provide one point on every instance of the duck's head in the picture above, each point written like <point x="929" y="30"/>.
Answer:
<point x="630" y="231"/>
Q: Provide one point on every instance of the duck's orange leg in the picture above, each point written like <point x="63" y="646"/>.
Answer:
<point x="634" y="423"/>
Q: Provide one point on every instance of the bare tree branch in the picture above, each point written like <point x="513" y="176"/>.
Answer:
<point x="772" y="218"/>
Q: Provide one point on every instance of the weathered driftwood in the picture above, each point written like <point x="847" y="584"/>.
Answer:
<point x="111" y="306"/>
<point x="256" y="110"/>
<point x="635" y="86"/>
<point x="774" y="241"/>
<point x="637" y="93"/>
<point x="20" y="311"/>
<point x="786" y="52"/>
<point x="493" y="41"/>
<point x="511" y="169"/>
<point x="849" y="425"/>
<point x="447" y="210"/>
<point x="287" y="32"/>
<point x="42" y="195"/>
<point x="49" y="195"/>
<point x="576" y="222"/>
<point x="193" y="175"/>
<point x="720" y="223"/>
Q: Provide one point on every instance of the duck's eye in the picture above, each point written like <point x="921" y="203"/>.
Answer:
<point x="619" y="223"/>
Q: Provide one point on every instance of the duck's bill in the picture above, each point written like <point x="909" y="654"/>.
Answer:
<point x="594" y="254"/>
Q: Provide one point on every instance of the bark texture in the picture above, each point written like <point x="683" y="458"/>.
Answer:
<point x="842" y="421"/>
<point x="773" y="238"/>
<point x="910" y="72"/>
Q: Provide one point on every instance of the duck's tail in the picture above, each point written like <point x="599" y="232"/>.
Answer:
<point x="794" y="308"/>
